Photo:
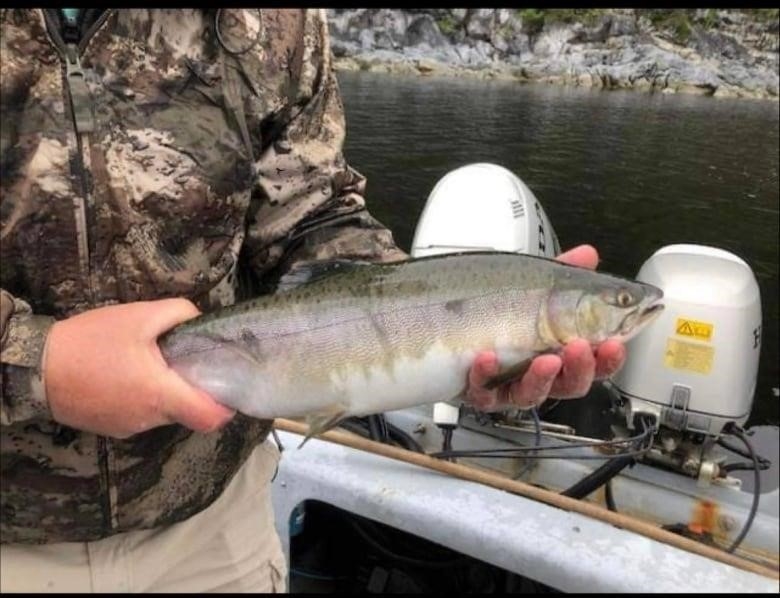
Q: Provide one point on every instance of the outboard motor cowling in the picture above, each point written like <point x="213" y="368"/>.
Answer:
<point x="483" y="207"/>
<point x="695" y="367"/>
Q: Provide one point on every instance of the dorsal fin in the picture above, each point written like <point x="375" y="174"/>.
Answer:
<point x="306" y="273"/>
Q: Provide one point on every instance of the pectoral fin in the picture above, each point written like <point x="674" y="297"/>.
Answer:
<point x="242" y="351"/>
<point x="514" y="372"/>
<point x="323" y="421"/>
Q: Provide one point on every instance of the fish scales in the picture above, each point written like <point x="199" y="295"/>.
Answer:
<point x="379" y="337"/>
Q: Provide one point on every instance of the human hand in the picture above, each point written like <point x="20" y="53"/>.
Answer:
<point x="567" y="376"/>
<point x="104" y="372"/>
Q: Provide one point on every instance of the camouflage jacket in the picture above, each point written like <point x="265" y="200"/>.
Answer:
<point x="169" y="153"/>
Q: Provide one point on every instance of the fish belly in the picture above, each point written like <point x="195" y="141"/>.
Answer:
<point x="355" y="359"/>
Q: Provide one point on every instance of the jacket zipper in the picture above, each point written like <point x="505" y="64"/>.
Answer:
<point x="84" y="123"/>
<point x="81" y="106"/>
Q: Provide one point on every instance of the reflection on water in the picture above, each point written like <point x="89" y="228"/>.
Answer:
<point x="626" y="171"/>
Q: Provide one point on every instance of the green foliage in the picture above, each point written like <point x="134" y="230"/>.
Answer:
<point x="447" y="24"/>
<point x="533" y="20"/>
<point x="763" y="15"/>
<point x="506" y="30"/>
<point x="681" y="27"/>
<point x="586" y="16"/>
<point x="710" y="19"/>
<point x="676" y="21"/>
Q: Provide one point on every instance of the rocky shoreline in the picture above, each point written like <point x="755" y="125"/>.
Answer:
<point x="720" y="53"/>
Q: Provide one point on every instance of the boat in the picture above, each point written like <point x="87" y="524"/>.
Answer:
<point x="649" y="485"/>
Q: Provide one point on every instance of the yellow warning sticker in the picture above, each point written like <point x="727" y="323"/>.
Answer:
<point x="694" y="329"/>
<point x="693" y="357"/>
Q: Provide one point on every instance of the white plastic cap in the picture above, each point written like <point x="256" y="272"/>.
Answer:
<point x="445" y="414"/>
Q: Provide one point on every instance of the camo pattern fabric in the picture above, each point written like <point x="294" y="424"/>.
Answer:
<point x="195" y="147"/>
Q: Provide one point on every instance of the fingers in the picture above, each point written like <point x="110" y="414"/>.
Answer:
<point x="566" y="377"/>
<point x="485" y="365"/>
<point x="190" y="406"/>
<point x="535" y="386"/>
<point x="610" y="357"/>
<point x="164" y="315"/>
<point x="578" y="371"/>
<point x="581" y="367"/>
<point x="584" y="256"/>
<point x="179" y="401"/>
<point x="529" y="391"/>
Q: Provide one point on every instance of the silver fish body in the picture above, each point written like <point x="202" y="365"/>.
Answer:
<point x="371" y="338"/>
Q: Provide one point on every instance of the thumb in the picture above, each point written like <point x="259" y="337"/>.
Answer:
<point x="166" y="314"/>
<point x="182" y="402"/>
<point x="191" y="406"/>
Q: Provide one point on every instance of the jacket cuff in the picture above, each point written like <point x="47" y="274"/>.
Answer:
<point x="22" y="351"/>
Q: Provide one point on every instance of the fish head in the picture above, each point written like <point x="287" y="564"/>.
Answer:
<point x="597" y="306"/>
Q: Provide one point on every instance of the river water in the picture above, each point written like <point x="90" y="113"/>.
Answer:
<point x="628" y="172"/>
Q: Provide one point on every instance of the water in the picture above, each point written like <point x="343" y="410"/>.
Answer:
<point x="625" y="171"/>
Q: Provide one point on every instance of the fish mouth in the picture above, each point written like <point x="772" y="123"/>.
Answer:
<point x="636" y="320"/>
<point x="650" y="312"/>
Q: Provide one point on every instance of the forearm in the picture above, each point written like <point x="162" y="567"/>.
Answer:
<point x="22" y="343"/>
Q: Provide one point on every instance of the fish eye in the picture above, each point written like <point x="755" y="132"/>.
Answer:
<point x="624" y="298"/>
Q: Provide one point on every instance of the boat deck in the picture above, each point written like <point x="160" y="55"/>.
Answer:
<point x="564" y="550"/>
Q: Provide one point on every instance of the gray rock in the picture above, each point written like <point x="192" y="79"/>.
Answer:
<point x="476" y="55"/>
<point x="480" y="23"/>
<point x="622" y="25"/>
<point x="383" y="41"/>
<point x="598" y="33"/>
<point x="716" y="44"/>
<point x="519" y="45"/>
<point x="485" y="51"/>
<point x="366" y="39"/>
<point x="423" y="29"/>
<point x="501" y="44"/>
<point x="339" y="25"/>
<point x="503" y="15"/>
<point x="738" y="57"/>
<point x="393" y="23"/>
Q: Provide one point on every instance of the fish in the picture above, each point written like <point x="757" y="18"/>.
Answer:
<point x="342" y="339"/>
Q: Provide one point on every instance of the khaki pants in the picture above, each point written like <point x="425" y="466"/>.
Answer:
<point x="231" y="546"/>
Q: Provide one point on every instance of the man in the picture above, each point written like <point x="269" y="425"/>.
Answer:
<point x="153" y="161"/>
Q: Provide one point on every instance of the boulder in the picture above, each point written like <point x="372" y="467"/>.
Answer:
<point x="423" y="29"/>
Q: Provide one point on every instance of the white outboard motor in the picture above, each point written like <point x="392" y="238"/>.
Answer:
<point x="483" y="207"/>
<point x="695" y="367"/>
